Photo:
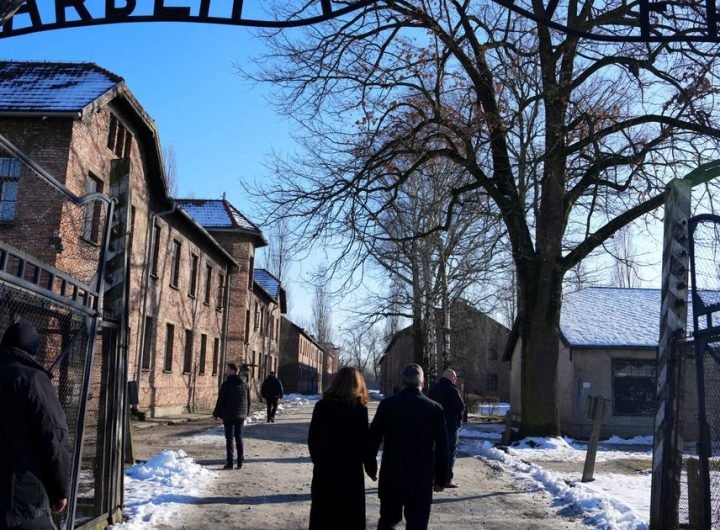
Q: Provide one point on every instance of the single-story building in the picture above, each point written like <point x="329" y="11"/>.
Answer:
<point x="609" y="340"/>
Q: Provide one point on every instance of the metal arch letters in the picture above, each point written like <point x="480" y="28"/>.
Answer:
<point x="123" y="11"/>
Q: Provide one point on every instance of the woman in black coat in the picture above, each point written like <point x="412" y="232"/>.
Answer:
<point x="338" y="442"/>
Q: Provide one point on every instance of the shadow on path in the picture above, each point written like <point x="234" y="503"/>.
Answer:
<point x="254" y="500"/>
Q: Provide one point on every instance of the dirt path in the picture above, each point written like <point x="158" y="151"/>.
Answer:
<point x="272" y="491"/>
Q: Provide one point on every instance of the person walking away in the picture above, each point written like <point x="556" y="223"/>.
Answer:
<point x="338" y="444"/>
<point x="271" y="391"/>
<point x="445" y="392"/>
<point x="35" y="450"/>
<point x="233" y="406"/>
<point x="415" y="453"/>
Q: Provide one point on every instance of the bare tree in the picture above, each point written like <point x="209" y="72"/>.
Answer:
<point x="624" y="271"/>
<point x="171" y="170"/>
<point x="278" y="253"/>
<point x="569" y="138"/>
<point x="321" y="306"/>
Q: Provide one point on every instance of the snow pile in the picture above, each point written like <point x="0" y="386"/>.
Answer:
<point x="493" y="409"/>
<point x="154" y="490"/>
<point x="637" y="440"/>
<point x="484" y="432"/>
<point x="599" y="505"/>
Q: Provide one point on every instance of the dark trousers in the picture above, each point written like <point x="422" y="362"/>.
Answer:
<point x="453" y="432"/>
<point x="44" y="522"/>
<point x="272" y="404"/>
<point x="417" y="514"/>
<point x="233" y="435"/>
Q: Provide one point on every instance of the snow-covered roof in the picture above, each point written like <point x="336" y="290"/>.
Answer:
<point x="269" y="283"/>
<point x="52" y="87"/>
<point x="217" y="214"/>
<point x="611" y="316"/>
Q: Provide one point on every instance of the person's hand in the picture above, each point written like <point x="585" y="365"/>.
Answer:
<point x="59" y="505"/>
<point x="438" y="488"/>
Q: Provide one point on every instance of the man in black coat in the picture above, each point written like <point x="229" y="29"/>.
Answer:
<point x="233" y="406"/>
<point x="271" y="390"/>
<point x="35" y="454"/>
<point x="447" y="394"/>
<point x="412" y="428"/>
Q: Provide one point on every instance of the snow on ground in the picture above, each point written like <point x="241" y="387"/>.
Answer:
<point x="211" y="435"/>
<point x="493" y="409"/>
<point x="612" y="501"/>
<point x="156" y="491"/>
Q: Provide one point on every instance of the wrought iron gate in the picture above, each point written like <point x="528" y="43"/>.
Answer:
<point x="53" y="250"/>
<point x="703" y="480"/>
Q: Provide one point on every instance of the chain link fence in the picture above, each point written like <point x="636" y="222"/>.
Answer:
<point x="700" y="496"/>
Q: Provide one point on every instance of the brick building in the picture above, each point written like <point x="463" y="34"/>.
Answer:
<point x="75" y="119"/>
<point x="331" y="362"/>
<point x="301" y="359"/>
<point x="268" y="306"/>
<point x="476" y="344"/>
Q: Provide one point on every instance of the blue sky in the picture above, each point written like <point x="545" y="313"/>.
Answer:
<point x="220" y="125"/>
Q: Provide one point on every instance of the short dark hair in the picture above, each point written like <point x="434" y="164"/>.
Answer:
<point x="232" y="367"/>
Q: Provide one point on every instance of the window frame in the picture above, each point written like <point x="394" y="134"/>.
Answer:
<point x="188" y="352"/>
<point x="175" y="265"/>
<point x="169" y="347"/>
<point x="194" y="269"/>
<point x="650" y="404"/>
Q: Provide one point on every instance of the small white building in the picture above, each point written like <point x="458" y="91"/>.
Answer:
<point x="609" y="339"/>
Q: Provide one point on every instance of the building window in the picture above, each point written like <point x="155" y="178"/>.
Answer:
<point x="194" y="263"/>
<point x="247" y="326"/>
<point x="216" y="356"/>
<point x="256" y="322"/>
<point x="492" y="354"/>
<point x="208" y="283"/>
<point x="187" y="358"/>
<point x="492" y="382"/>
<point x="251" y="272"/>
<point x="119" y="138"/>
<point x="221" y="291"/>
<point x="156" y="250"/>
<point x="169" y="344"/>
<point x="634" y="392"/>
<point x="148" y="343"/>
<point x="93" y="210"/>
<point x="9" y="181"/>
<point x="203" y="353"/>
<point x="175" y="271"/>
<point x="253" y="363"/>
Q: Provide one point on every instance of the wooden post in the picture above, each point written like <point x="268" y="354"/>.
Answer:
<point x="507" y="435"/>
<point x="667" y="450"/>
<point x="596" y="411"/>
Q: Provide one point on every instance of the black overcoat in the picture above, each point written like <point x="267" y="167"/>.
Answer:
<point x="415" y="451"/>
<point x="448" y="395"/>
<point x="271" y="388"/>
<point x="35" y="450"/>
<point x="338" y="443"/>
<point x="233" y="402"/>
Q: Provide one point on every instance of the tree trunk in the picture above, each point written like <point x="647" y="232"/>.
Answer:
<point x="540" y="349"/>
<point x="445" y="301"/>
<point x="417" y="334"/>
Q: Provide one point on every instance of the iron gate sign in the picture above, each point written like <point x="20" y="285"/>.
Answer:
<point x="40" y="15"/>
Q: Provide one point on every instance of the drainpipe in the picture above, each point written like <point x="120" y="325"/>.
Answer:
<point x="229" y="270"/>
<point x="148" y="272"/>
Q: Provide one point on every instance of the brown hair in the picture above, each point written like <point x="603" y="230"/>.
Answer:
<point x="348" y="386"/>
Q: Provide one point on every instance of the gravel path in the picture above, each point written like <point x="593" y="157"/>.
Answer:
<point x="272" y="490"/>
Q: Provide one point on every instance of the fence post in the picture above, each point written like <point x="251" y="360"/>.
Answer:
<point x="507" y="435"/>
<point x="596" y="411"/>
<point x="667" y="450"/>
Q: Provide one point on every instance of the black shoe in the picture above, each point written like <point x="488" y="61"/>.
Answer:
<point x="239" y="466"/>
<point x="228" y="466"/>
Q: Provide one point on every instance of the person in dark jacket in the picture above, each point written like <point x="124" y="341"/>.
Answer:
<point x="35" y="451"/>
<point x="414" y="460"/>
<point x="233" y="406"/>
<point x="447" y="394"/>
<point x="338" y="441"/>
<point x="271" y="390"/>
